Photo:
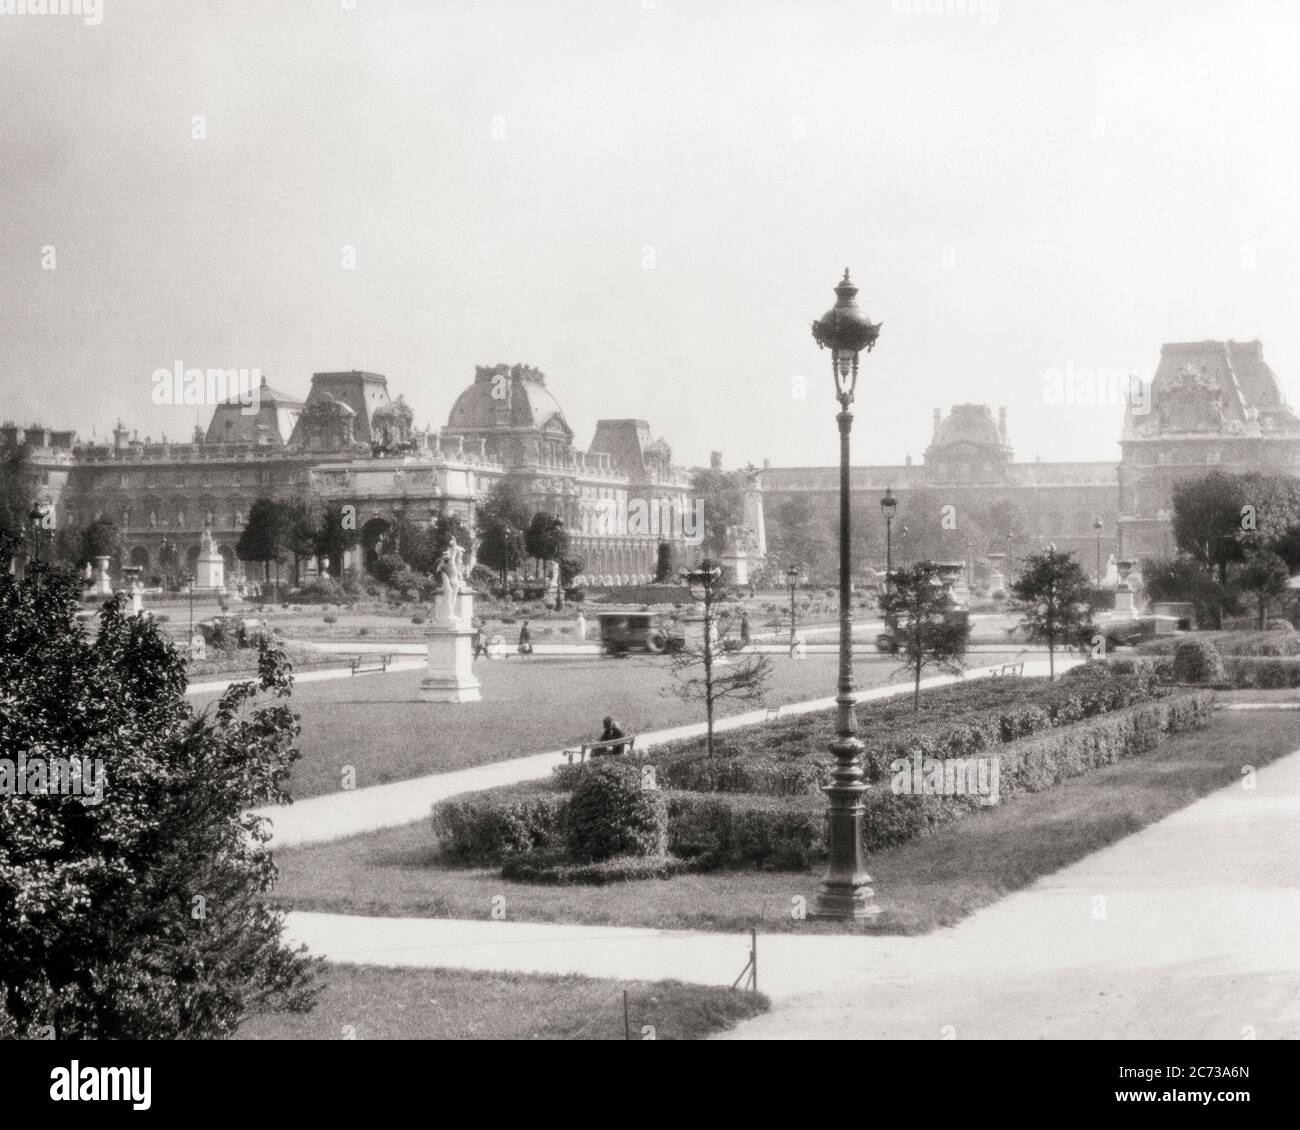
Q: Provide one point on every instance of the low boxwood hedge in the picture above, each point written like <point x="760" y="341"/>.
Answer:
<point x="1269" y="642"/>
<point x="522" y="828"/>
<point x="1266" y="672"/>
<point x="748" y="763"/>
<point x="487" y="827"/>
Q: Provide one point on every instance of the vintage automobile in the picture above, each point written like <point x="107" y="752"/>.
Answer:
<point x="1127" y="631"/>
<point x="222" y="630"/>
<point x="652" y="632"/>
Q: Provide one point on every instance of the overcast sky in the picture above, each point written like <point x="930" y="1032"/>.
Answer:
<point x="650" y="200"/>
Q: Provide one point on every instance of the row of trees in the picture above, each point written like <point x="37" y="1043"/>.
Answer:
<point x="1238" y="542"/>
<point x="806" y="530"/>
<point x="509" y="532"/>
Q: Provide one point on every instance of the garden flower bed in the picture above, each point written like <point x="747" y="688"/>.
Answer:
<point x="758" y="802"/>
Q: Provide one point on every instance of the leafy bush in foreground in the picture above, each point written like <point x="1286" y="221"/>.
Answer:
<point x="137" y="912"/>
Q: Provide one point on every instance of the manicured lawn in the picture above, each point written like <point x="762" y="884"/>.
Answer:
<point x="932" y="881"/>
<point x="367" y="1003"/>
<point x="377" y="724"/>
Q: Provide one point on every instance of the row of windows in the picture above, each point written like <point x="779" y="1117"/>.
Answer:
<point x="150" y="478"/>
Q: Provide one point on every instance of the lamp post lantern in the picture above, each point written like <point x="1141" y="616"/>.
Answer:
<point x="792" y="578"/>
<point x="42" y="520"/>
<point x="888" y="508"/>
<point x="845" y="892"/>
<point x="1097" y="525"/>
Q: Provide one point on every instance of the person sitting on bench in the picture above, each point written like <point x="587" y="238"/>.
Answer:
<point x="612" y="730"/>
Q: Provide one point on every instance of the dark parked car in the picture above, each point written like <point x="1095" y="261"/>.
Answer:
<point x="623" y="632"/>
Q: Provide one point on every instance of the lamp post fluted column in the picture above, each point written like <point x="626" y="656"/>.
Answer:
<point x="845" y="891"/>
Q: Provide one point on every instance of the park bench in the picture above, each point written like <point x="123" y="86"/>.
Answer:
<point x="628" y="742"/>
<point x="1008" y="669"/>
<point x="771" y="713"/>
<point x="370" y="661"/>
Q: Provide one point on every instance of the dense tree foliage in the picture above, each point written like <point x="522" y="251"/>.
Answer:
<point x="137" y="909"/>
<point x="546" y="538"/>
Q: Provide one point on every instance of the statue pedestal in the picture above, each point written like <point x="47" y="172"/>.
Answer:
<point x="210" y="571"/>
<point x="737" y="561"/>
<point x="450" y="674"/>
<point x="103" y="586"/>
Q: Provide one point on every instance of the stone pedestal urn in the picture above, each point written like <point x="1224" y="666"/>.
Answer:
<point x="450" y="674"/>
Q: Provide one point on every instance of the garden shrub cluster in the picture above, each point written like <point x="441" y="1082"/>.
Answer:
<point x="487" y="827"/>
<point x="1275" y="641"/>
<point x="530" y="833"/>
<point x="1198" y="661"/>
<point x="1263" y="672"/>
<point x="758" y="804"/>
<point x="1018" y="708"/>
<point x="611" y="813"/>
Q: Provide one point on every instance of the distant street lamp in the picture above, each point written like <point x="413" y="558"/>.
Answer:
<point x="888" y="508"/>
<point x="845" y="892"/>
<point x="1097" y="525"/>
<point x="42" y="520"/>
<point x="792" y="579"/>
<point x="902" y="543"/>
<point x="189" y="577"/>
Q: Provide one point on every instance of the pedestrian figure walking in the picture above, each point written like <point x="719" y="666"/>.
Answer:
<point x="525" y="640"/>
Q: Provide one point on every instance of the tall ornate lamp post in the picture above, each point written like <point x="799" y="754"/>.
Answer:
<point x="888" y="508"/>
<point x="1098" y="526"/>
<point x="703" y="584"/>
<point x="792" y="578"/>
<point x="846" y="331"/>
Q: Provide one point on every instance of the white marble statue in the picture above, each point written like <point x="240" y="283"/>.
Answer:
<point x="450" y="567"/>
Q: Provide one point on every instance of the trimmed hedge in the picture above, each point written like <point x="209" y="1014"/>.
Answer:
<point x="707" y="830"/>
<point x="741" y="830"/>
<point x="1266" y="672"/>
<point x="1026" y="707"/>
<point x="489" y="826"/>
<point x="1271" y="642"/>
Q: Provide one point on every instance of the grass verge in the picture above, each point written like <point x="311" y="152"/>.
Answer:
<point x="365" y="1002"/>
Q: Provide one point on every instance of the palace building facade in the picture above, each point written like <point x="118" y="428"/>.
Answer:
<point x="352" y="444"/>
<point x="1210" y="404"/>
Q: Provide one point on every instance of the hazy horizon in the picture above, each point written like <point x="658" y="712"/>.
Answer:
<point x="650" y="201"/>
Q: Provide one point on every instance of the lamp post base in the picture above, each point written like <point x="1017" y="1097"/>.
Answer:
<point x="847" y="905"/>
<point x="845" y="892"/>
